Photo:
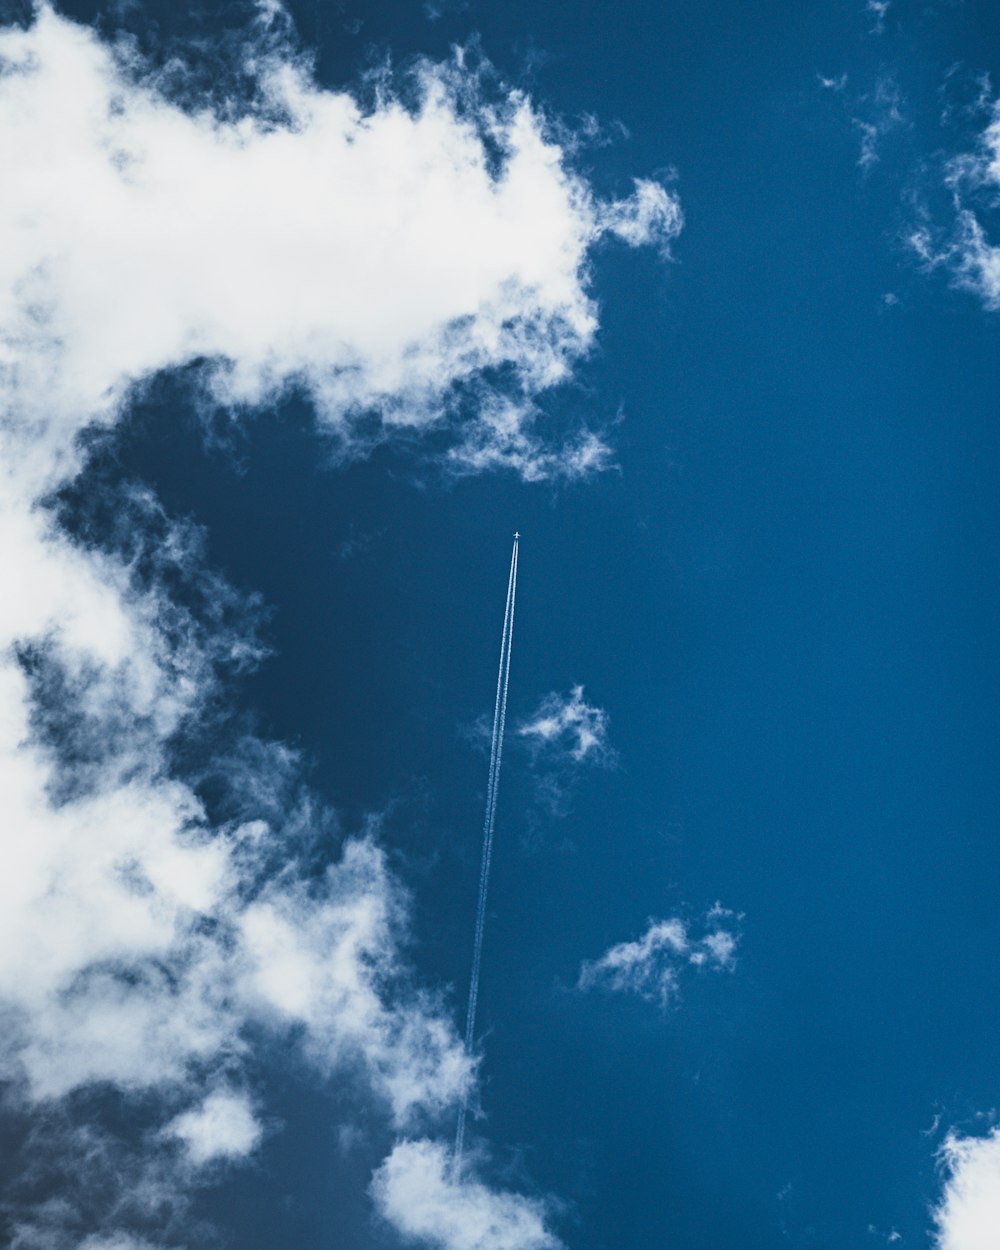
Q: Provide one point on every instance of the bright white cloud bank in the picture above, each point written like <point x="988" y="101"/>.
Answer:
<point x="651" y="965"/>
<point x="380" y="261"/>
<point x="968" y="1217"/>
<point x="376" y="259"/>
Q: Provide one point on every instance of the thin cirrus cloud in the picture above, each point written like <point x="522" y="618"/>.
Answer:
<point x="652" y="964"/>
<point x="968" y="1214"/>
<point x="380" y="261"/>
<point x="884" y="113"/>
<point x="878" y="10"/>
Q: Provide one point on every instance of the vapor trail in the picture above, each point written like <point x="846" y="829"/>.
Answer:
<point x="496" y="753"/>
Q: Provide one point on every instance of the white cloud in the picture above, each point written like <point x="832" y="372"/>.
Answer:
<point x="650" y="216"/>
<point x="117" y="1241"/>
<point x="651" y="965"/>
<point x="376" y="259"/>
<point x="884" y="113"/>
<point x="417" y="1190"/>
<point x="973" y="260"/>
<point x="964" y="248"/>
<point x="502" y="438"/>
<point x="139" y="944"/>
<point x="890" y="1238"/>
<point x="324" y="962"/>
<point x="222" y="1126"/>
<point x="877" y="10"/>
<point x="968" y="1215"/>
<point x="976" y="259"/>
<point x="566" y="725"/>
<point x="382" y="259"/>
<point x="832" y="84"/>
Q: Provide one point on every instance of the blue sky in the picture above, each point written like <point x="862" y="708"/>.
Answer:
<point x="303" y="311"/>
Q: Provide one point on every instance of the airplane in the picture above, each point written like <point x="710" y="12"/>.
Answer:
<point x="516" y="534"/>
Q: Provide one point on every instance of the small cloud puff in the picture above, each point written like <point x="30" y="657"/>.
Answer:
<point x="650" y="216"/>
<point x="891" y="1238"/>
<point x="832" y="84"/>
<point x="223" y="1126"/>
<point x="420" y="1193"/>
<point x="878" y="9"/>
<point x="651" y="965"/>
<point x="569" y="726"/>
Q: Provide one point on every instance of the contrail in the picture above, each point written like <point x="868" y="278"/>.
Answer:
<point x="496" y="752"/>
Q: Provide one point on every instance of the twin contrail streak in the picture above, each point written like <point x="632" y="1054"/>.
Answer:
<point x="496" y="752"/>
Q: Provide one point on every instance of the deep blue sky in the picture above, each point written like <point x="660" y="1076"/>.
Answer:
<point x="785" y="597"/>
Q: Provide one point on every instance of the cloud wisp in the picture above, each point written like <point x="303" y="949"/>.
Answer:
<point x="568" y="727"/>
<point x="883" y="113"/>
<point x="564" y="735"/>
<point x="651" y="966"/>
<point x="878" y="10"/>
<point x="964" y="248"/>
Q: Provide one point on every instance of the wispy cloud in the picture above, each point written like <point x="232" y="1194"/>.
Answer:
<point x="877" y="10"/>
<point x="568" y="727"/>
<point x="651" y="965"/>
<point x="968" y="1215"/>
<point x="836" y="84"/>
<point x="651" y="216"/>
<point x="883" y="113"/>
<point x="565" y="735"/>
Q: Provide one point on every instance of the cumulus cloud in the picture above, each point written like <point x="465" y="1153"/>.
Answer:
<point x="135" y="938"/>
<point x="417" y="1190"/>
<point x="222" y="1126"/>
<point x="651" y="965"/>
<point x="413" y="263"/>
<point x="968" y="1215"/>
<point x="380" y="259"/>
<point x="568" y="726"/>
